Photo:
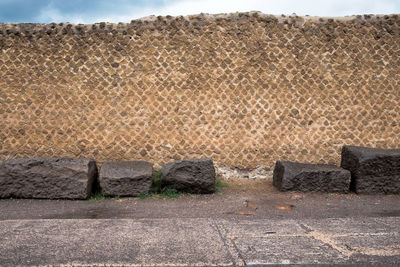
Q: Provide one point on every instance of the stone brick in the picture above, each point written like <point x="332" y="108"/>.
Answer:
<point x="195" y="176"/>
<point x="47" y="178"/>
<point x="373" y="170"/>
<point x="294" y="176"/>
<point x="126" y="178"/>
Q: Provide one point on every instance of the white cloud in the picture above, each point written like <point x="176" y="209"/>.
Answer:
<point x="187" y="7"/>
<point x="52" y="14"/>
<point x="300" y="7"/>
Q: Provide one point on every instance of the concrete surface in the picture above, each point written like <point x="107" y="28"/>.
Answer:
<point x="245" y="225"/>
<point x="199" y="242"/>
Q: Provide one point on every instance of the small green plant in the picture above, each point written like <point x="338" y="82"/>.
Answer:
<point x="156" y="185"/>
<point x="166" y="193"/>
<point x="158" y="191"/>
<point x="96" y="197"/>
<point x="146" y="196"/>
<point x="170" y="193"/>
<point x="219" y="184"/>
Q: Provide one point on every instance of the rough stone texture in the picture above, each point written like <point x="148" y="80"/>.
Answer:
<point x="373" y="170"/>
<point x="194" y="242"/>
<point x="47" y="178"/>
<point x="311" y="177"/>
<point x="195" y="176"/>
<point x="246" y="89"/>
<point x="126" y="178"/>
<point x="129" y="243"/>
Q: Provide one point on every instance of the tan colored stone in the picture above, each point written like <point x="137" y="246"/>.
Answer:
<point x="246" y="89"/>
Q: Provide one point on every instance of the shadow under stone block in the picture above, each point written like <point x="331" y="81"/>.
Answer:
<point x="294" y="176"/>
<point x="373" y="170"/>
<point x="51" y="178"/>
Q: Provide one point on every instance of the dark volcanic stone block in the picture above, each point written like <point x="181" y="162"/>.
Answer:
<point x="126" y="178"/>
<point x="310" y="177"/>
<point x="373" y="170"/>
<point x="195" y="176"/>
<point x="47" y="178"/>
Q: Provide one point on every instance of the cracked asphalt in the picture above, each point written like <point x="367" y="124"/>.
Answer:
<point x="248" y="223"/>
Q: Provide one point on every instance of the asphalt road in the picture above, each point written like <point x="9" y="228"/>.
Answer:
<point x="249" y="223"/>
<point x="244" y="199"/>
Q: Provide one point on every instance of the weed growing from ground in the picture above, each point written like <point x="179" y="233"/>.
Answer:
<point x="96" y="197"/>
<point x="170" y="193"/>
<point x="156" y="185"/>
<point x="146" y="196"/>
<point x="99" y="196"/>
<point x="219" y="184"/>
<point x="158" y="191"/>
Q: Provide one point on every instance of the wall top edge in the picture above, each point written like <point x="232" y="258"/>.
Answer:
<point x="198" y="20"/>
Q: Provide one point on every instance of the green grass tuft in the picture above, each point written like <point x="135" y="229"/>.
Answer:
<point x="166" y="193"/>
<point x="96" y="197"/>
<point x="158" y="191"/>
<point x="170" y="193"/>
<point x="146" y="196"/>
<point x="156" y="186"/>
<point x="99" y="196"/>
<point x="219" y="184"/>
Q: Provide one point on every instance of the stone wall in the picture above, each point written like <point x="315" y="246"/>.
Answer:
<point x="245" y="89"/>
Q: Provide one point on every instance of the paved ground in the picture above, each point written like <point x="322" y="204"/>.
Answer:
<point x="250" y="223"/>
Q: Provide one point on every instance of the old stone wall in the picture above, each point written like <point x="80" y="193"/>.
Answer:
<point x="245" y="89"/>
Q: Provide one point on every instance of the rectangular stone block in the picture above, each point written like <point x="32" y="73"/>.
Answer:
<point x="126" y="178"/>
<point x="373" y="170"/>
<point x="47" y="178"/>
<point x="195" y="176"/>
<point x="294" y="176"/>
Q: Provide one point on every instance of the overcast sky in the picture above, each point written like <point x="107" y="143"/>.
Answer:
<point x="90" y="11"/>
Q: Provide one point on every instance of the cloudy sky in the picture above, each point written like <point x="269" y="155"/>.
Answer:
<point x="90" y="11"/>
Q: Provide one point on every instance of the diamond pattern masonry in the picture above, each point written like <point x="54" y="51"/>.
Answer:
<point x="246" y="89"/>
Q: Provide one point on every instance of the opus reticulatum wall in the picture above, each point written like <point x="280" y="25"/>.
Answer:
<point x="246" y="89"/>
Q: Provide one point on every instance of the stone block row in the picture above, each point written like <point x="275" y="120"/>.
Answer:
<point x="363" y="170"/>
<point x="62" y="178"/>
